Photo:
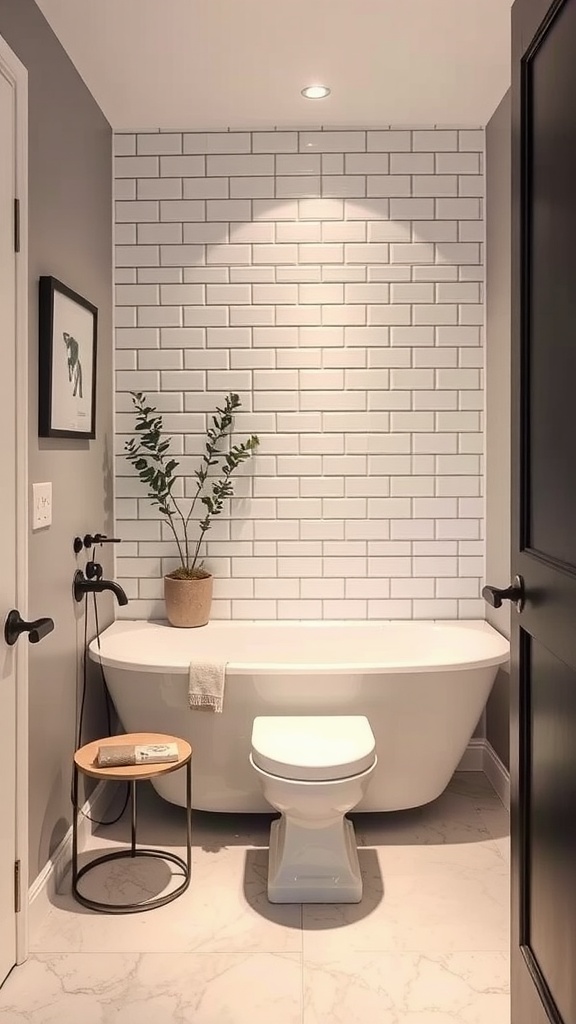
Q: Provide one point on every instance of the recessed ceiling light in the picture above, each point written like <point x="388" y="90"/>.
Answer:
<point x="316" y="92"/>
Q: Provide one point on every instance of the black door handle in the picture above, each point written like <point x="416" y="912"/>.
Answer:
<point x="514" y="593"/>
<point x="15" y="625"/>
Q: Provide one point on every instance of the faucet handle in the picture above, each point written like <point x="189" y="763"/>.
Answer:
<point x="99" y="538"/>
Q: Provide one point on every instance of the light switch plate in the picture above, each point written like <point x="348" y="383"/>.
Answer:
<point x="41" y="506"/>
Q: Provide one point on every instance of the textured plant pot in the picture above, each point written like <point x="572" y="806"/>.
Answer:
<point x="188" y="602"/>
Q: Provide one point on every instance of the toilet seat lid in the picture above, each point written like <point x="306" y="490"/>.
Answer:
<point x="318" y="748"/>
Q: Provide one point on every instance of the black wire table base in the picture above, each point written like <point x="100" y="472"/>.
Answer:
<point x="131" y="853"/>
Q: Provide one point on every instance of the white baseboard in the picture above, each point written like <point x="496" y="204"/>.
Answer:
<point x="480" y="756"/>
<point x="497" y="774"/>
<point x="48" y="883"/>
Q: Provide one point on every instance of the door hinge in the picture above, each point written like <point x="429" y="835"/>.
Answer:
<point x="17" y="888"/>
<point x="16" y="225"/>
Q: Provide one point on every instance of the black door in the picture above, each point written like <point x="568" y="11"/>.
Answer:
<point x="543" y="755"/>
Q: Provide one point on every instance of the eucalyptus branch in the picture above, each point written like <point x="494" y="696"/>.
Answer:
<point x="149" y="454"/>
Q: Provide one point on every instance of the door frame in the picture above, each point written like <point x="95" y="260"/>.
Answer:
<point x="16" y="73"/>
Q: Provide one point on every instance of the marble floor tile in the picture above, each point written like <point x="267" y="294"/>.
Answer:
<point x="403" y="988"/>
<point x="225" y="909"/>
<point x="433" y="897"/>
<point x="155" y="988"/>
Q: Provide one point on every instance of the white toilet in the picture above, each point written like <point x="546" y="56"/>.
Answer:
<point x="313" y="770"/>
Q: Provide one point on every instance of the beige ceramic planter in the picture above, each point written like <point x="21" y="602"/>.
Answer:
<point x="188" y="602"/>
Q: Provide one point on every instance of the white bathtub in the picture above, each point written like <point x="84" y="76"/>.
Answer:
<point x="421" y="685"/>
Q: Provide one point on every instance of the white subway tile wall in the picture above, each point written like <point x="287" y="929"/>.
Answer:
<point x="334" y="280"/>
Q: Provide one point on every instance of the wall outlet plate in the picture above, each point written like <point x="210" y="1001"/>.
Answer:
<point x="41" y="505"/>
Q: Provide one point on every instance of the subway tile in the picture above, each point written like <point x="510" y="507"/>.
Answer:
<point x="298" y="187"/>
<point x="389" y="141"/>
<point x="319" y="209"/>
<point x="370" y="253"/>
<point x="457" y="163"/>
<point x="151" y="234"/>
<point x="136" y="166"/>
<point x="251" y="188"/>
<point x="204" y="234"/>
<point x="343" y="316"/>
<point x="159" y="316"/>
<point x="159" y="143"/>
<point x="434" y="141"/>
<point x="367" y="163"/>
<point x="299" y="231"/>
<point x="182" y="337"/>
<point x="217" y="142"/>
<point x="411" y="209"/>
<point x="124" y="144"/>
<point x="458" y="209"/>
<point x="322" y="253"/>
<point x="386" y="231"/>
<point x="252" y="316"/>
<point x="137" y="337"/>
<point x="275" y="254"/>
<point x="228" y="254"/>
<point x="181" y="166"/>
<point x="366" y="209"/>
<point x="412" y="163"/>
<point x="298" y="274"/>
<point x="235" y="165"/>
<point x="137" y="255"/>
<point x="333" y="272"/>
<point x="471" y="185"/>
<point x="275" y="293"/>
<point x="125" y="188"/>
<point x="388" y="185"/>
<point x="125" y="234"/>
<point x="458" y="336"/>
<point x="435" y="313"/>
<point x="274" y="209"/>
<point x="298" y="163"/>
<point x="274" y="142"/>
<point x="321" y="293"/>
<point x="471" y="140"/>
<point x="470" y="231"/>
<point x="418" y="252"/>
<point x="228" y="294"/>
<point x="204" y="188"/>
<point x="158" y="359"/>
<point x="436" y="231"/>
<point x="435" y="444"/>
<point x="458" y="252"/>
<point x="435" y="185"/>
<point x="159" y="188"/>
<point x="343" y="185"/>
<point x="228" y="210"/>
<point x="332" y="141"/>
<point x="389" y="314"/>
<point x="136" y="212"/>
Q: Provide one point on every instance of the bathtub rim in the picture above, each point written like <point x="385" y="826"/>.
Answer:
<point x="244" y="668"/>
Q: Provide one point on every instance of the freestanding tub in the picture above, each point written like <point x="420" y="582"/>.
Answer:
<point x="422" y="686"/>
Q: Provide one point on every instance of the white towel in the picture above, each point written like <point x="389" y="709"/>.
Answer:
<point x="206" y="685"/>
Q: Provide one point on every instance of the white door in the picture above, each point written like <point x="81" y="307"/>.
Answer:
<point x="12" y="554"/>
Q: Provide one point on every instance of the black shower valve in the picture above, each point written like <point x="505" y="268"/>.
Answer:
<point x="90" y="540"/>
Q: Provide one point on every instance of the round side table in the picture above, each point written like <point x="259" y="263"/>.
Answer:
<point x="85" y="761"/>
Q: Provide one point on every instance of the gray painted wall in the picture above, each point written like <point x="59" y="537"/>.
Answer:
<point x="70" y="182"/>
<point x="498" y="244"/>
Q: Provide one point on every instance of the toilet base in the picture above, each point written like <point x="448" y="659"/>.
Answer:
<point x="313" y="865"/>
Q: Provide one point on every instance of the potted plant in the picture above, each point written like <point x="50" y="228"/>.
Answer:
<point x="187" y="589"/>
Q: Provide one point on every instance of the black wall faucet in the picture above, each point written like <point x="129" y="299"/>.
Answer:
<point x="81" y="586"/>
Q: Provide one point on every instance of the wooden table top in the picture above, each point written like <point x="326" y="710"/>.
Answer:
<point x="86" y="757"/>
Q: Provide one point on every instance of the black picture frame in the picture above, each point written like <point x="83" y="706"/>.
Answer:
<point x="67" y="362"/>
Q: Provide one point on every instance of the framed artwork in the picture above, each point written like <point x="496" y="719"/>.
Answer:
<point x="68" y="326"/>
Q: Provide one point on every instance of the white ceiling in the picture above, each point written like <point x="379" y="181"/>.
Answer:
<point x="242" y="63"/>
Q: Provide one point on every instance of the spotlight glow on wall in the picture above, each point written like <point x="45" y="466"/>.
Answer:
<point x="316" y="92"/>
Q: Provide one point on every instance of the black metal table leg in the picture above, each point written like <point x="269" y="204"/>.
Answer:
<point x="132" y="852"/>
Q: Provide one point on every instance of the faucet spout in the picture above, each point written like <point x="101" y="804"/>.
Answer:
<point x="82" y="585"/>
